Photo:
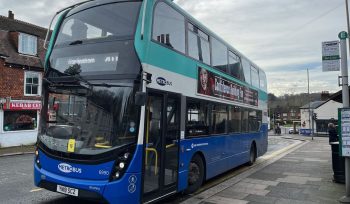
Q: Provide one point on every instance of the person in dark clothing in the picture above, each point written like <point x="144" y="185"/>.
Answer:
<point x="332" y="133"/>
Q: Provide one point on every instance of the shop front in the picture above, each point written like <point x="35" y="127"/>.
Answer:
<point x="19" y="122"/>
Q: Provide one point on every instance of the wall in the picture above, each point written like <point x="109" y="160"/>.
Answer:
<point x="328" y="110"/>
<point x="16" y="138"/>
<point x="325" y="113"/>
<point x="304" y="117"/>
<point x="12" y="85"/>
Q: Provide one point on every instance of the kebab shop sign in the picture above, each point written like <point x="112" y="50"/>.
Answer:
<point x="20" y="105"/>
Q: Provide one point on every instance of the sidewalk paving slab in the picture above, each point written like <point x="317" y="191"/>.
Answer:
<point x="302" y="176"/>
<point x="18" y="150"/>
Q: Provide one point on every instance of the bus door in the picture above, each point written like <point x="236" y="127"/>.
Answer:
<point x="162" y="132"/>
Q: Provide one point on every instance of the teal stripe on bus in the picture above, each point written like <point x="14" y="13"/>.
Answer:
<point x="53" y="37"/>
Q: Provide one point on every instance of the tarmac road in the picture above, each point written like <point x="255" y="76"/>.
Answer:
<point x="16" y="179"/>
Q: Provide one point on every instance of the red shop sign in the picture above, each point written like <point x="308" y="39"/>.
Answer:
<point x="23" y="106"/>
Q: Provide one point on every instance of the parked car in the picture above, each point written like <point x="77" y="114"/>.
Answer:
<point x="291" y="131"/>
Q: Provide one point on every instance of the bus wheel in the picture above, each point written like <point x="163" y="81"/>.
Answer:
<point x="252" y="156"/>
<point x="195" y="174"/>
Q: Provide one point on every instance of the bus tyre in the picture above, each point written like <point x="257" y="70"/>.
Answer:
<point x="252" y="155"/>
<point x="195" y="174"/>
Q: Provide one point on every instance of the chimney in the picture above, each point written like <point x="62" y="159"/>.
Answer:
<point x="325" y="95"/>
<point x="11" y="15"/>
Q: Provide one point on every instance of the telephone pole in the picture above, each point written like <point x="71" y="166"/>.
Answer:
<point x="345" y="96"/>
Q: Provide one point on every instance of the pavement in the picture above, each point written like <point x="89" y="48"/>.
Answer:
<point x="301" y="174"/>
<point x="18" y="150"/>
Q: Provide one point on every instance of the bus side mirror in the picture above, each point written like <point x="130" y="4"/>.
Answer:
<point x="140" y="98"/>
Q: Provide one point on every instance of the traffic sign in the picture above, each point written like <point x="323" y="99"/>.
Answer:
<point x="343" y="35"/>
<point x="330" y="56"/>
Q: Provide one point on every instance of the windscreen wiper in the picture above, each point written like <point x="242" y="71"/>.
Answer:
<point x="66" y="81"/>
<point x="70" y="80"/>
<point x="110" y="85"/>
<point x="77" y="42"/>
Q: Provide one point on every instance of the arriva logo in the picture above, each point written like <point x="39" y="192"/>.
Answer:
<point x="162" y="82"/>
<point x="67" y="168"/>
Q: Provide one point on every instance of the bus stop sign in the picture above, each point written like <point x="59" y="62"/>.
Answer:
<point x="344" y="130"/>
<point x="343" y="35"/>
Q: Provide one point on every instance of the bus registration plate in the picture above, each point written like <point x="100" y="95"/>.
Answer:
<point x="67" y="190"/>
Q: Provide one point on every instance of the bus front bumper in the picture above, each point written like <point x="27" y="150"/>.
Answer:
<point x="120" y="191"/>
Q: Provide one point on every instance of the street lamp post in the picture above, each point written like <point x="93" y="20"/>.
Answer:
<point x="345" y="96"/>
<point x="347" y="18"/>
<point x="308" y="95"/>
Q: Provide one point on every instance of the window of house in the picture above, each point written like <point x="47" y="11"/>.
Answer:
<point x="169" y="27"/>
<point x="197" y="119"/>
<point x="20" y="120"/>
<point x="27" y="44"/>
<point x="32" y="81"/>
<point x="234" y="124"/>
<point x="219" y="55"/>
<point x="219" y="119"/>
<point x="234" y="65"/>
<point x="198" y="44"/>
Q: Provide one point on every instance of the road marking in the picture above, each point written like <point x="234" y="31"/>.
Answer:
<point x="35" y="190"/>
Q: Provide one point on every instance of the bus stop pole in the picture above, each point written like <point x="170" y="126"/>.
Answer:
<point x="345" y="96"/>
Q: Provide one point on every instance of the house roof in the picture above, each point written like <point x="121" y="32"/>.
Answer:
<point x="338" y="96"/>
<point x="313" y="105"/>
<point x="8" y="24"/>
<point x="9" y="47"/>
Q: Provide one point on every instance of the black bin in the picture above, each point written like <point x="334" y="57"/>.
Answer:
<point x="338" y="164"/>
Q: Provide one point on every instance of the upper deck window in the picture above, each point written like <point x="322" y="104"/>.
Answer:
<point x="246" y="70"/>
<point x="106" y="21"/>
<point x="254" y="76"/>
<point x="263" y="83"/>
<point x="169" y="27"/>
<point x="234" y="66"/>
<point x="219" y="55"/>
<point x="198" y="44"/>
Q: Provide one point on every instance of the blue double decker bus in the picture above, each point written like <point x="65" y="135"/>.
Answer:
<point x="141" y="101"/>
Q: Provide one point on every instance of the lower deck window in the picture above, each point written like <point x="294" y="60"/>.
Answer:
<point x="205" y="118"/>
<point x="197" y="119"/>
<point x="20" y="120"/>
<point x="219" y="119"/>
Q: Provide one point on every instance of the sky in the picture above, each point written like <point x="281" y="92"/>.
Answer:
<point x="282" y="37"/>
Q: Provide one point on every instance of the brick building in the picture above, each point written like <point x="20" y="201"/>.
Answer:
<point x="21" y="70"/>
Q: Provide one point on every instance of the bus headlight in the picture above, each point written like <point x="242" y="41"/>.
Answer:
<point x="126" y="155"/>
<point x="120" y="165"/>
<point x="117" y="175"/>
<point x="37" y="159"/>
